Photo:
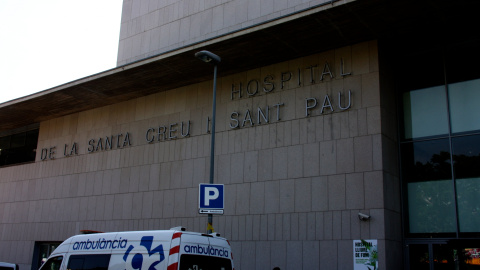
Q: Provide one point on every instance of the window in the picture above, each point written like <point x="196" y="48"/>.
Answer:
<point x="41" y="252"/>
<point x="430" y="197"/>
<point x="466" y="157"/>
<point x="89" y="262"/>
<point x="464" y="109"/>
<point x="425" y="112"/>
<point x="18" y="147"/>
<point x="189" y="262"/>
<point x="53" y="263"/>
<point x="440" y="143"/>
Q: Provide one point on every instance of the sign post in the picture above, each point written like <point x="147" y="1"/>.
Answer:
<point x="211" y="199"/>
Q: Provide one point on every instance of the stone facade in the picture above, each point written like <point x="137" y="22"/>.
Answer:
<point x="296" y="175"/>
<point x="151" y="27"/>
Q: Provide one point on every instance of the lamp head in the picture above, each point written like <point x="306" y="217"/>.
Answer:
<point x="208" y="57"/>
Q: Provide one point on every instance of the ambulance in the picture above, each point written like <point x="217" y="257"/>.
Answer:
<point x="174" y="249"/>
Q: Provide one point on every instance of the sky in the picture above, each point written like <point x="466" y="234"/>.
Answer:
<point x="46" y="43"/>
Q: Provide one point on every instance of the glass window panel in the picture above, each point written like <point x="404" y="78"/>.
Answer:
<point x="425" y="112"/>
<point x="18" y="140"/>
<point x="464" y="109"/>
<point x="427" y="160"/>
<point x="32" y="138"/>
<point x="444" y="257"/>
<point x="431" y="207"/>
<point x="426" y="167"/>
<point x="419" y="256"/>
<point x="5" y="142"/>
<point x="469" y="258"/>
<point x="468" y="199"/>
<point x="466" y="156"/>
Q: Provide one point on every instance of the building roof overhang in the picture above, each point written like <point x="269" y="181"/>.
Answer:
<point x="335" y="24"/>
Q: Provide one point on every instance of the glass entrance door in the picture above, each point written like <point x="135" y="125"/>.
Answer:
<point x="443" y="256"/>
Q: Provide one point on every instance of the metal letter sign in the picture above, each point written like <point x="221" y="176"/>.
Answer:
<point x="211" y="199"/>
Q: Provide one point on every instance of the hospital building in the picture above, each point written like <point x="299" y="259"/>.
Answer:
<point x="337" y="123"/>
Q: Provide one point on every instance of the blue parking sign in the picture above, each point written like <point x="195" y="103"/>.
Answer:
<point x="211" y="197"/>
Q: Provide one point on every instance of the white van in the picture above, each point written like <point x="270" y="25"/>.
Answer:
<point x="174" y="249"/>
<point x="8" y="266"/>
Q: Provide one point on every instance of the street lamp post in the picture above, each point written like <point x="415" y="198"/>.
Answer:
<point x="209" y="57"/>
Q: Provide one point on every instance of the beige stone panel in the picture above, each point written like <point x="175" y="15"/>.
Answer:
<point x="319" y="193"/>
<point x="363" y="153"/>
<point x="280" y="162"/>
<point x="265" y="165"/>
<point x="140" y="108"/>
<point x="288" y="110"/>
<point x="242" y="207"/>
<point x="196" y="122"/>
<point x="328" y="127"/>
<point x="328" y="157"/>
<point x="59" y="124"/>
<point x="373" y="50"/>
<point x="224" y="90"/>
<point x="251" y="166"/>
<point x="159" y="107"/>
<point x="301" y="96"/>
<point x="266" y="137"/>
<point x="250" y="87"/>
<point x="303" y="195"/>
<point x="287" y="133"/>
<point x="237" y="168"/>
<point x="343" y="62"/>
<point x="164" y="177"/>
<point x="277" y="71"/>
<point x="336" y="191"/>
<point x="191" y="92"/>
<point x="149" y="106"/>
<point x="374" y="120"/>
<point x="124" y="111"/>
<point x="256" y="135"/>
<point x="345" y="156"/>
<point x="269" y="141"/>
<point x="362" y="122"/>
<point x="295" y="161"/>
<point x="270" y="72"/>
<point x="336" y="125"/>
<point x="251" y="134"/>
<point x="370" y="89"/>
<point x="303" y="70"/>
<point x="205" y="95"/>
<point x="311" y="159"/>
<point x="309" y="127"/>
<point x="134" y="179"/>
<point x="377" y="152"/>
<point x="374" y="196"/>
<point x="361" y="58"/>
<point x="353" y="84"/>
<point x="51" y="129"/>
<point x="102" y="117"/>
<point x="314" y="100"/>
<point x="43" y="131"/>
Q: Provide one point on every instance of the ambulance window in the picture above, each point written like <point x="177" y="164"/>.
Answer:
<point x="89" y="262"/>
<point x="53" y="263"/>
<point x="197" y="262"/>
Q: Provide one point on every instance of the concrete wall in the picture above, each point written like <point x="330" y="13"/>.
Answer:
<point x="150" y="27"/>
<point x="293" y="186"/>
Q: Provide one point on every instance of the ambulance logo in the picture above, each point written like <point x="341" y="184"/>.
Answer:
<point x="144" y="257"/>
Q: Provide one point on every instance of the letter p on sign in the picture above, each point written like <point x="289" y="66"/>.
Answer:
<point x="211" y="193"/>
<point x="211" y="196"/>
